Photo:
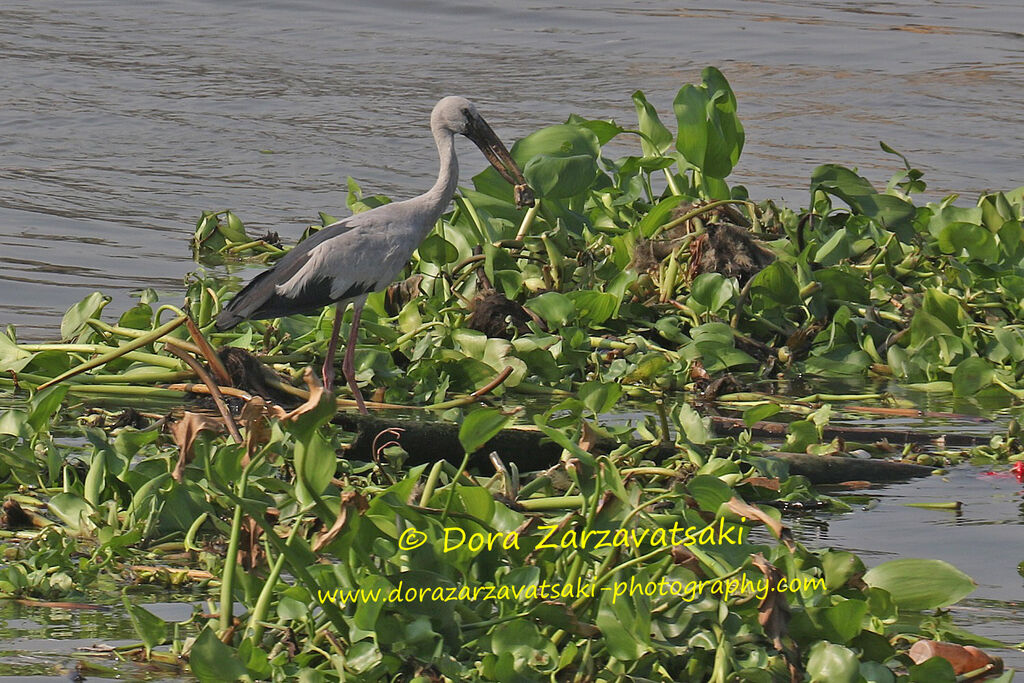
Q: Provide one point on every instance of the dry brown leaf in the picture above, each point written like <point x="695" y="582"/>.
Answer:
<point x="250" y="551"/>
<point x="13" y="516"/>
<point x="350" y="500"/>
<point x="682" y="556"/>
<point x="963" y="659"/>
<point x="185" y="432"/>
<point x="316" y="394"/>
<point x="773" y="615"/>
<point x="769" y="483"/>
<point x="753" y="512"/>
<point x="588" y="437"/>
<point x="257" y="427"/>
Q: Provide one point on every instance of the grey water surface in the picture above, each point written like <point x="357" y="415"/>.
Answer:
<point x="120" y="121"/>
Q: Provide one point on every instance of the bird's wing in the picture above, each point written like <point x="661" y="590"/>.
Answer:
<point x="262" y="298"/>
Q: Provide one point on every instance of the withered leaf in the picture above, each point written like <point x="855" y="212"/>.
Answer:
<point x="351" y="501"/>
<point x="185" y="432"/>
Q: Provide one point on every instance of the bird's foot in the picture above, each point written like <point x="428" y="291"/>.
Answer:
<point x="358" y="395"/>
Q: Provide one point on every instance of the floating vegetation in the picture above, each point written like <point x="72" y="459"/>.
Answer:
<point x="572" y="549"/>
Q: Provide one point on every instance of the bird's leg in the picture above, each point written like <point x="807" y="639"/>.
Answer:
<point x="347" y="366"/>
<point x="328" y="369"/>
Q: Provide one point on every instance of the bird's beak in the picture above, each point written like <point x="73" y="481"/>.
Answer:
<point x="480" y="132"/>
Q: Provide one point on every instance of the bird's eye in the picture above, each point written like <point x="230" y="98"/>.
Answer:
<point x="465" y="112"/>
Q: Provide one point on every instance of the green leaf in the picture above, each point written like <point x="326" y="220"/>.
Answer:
<point x="481" y="426"/>
<point x="710" y="134"/>
<point x="754" y="415"/>
<point x="777" y="285"/>
<point x="71" y="509"/>
<point x="710" y="292"/>
<point x="978" y="242"/>
<point x="73" y="325"/>
<point x="934" y="670"/>
<point x="659" y="215"/>
<point x="917" y="584"/>
<point x="693" y="425"/>
<point x="971" y="376"/>
<point x="892" y="212"/>
<point x="315" y="457"/>
<point x="624" y="621"/>
<point x="436" y="249"/>
<point x="555" y="308"/>
<point x="560" y="177"/>
<point x="593" y="307"/>
<point x="368" y="610"/>
<point x="599" y="397"/>
<point x="709" y="492"/>
<point x="233" y="230"/>
<point x="212" y="660"/>
<point x="559" y="161"/>
<point x="149" y="627"/>
<point x="44" y="405"/>
<point x="830" y="663"/>
<point x="840" y="566"/>
<point x="657" y="138"/>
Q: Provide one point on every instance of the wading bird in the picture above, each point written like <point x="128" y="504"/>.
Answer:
<point x="349" y="259"/>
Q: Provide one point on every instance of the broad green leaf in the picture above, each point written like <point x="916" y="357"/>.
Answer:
<point x="376" y="588"/>
<point x="480" y="426"/>
<point x="710" y="134"/>
<point x="917" y="584"/>
<point x="599" y="397"/>
<point x="555" y="308"/>
<point x="754" y="415"/>
<point x="593" y="307"/>
<point x="893" y="213"/>
<point x="831" y="663"/>
<point x="840" y="566"/>
<point x="44" y="405"/>
<point x="934" y="670"/>
<point x="149" y="627"/>
<point x="657" y="138"/>
<point x="777" y="285"/>
<point x="211" y="660"/>
<point x="560" y="177"/>
<point x="709" y="492"/>
<point x="436" y="249"/>
<point x="71" y="509"/>
<point x="558" y="161"/>
<point x="710" y="292"/>
<point x="73" y="325"/>
<point x="971" y="376"/>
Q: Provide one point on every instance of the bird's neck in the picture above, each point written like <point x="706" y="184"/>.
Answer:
<point x="438" y="197"/>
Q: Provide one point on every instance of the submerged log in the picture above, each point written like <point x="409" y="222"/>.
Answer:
<point x="527" y="447"/>
<point x="730" y="426"/>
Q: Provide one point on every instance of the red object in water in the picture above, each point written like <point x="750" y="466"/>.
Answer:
<point x="1017" y="471"/>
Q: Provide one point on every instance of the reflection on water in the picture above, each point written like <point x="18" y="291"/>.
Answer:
<point x="121" y="123"/>
<point x="982" y="539"/>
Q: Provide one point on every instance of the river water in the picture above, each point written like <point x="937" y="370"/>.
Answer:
<point x="120" y="122"/>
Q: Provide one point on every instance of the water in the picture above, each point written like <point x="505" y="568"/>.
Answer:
<point x="981" y="540"/>
<point x="122" y="122"/>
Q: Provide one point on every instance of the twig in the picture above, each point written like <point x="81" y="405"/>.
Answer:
<point x="215" y="392"/>
<point x="209" y="354"/>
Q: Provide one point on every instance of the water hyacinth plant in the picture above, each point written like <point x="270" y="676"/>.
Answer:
<point x="135" y="451"/>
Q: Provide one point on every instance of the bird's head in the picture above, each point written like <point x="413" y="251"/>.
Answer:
<point x="459" y="115"/>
